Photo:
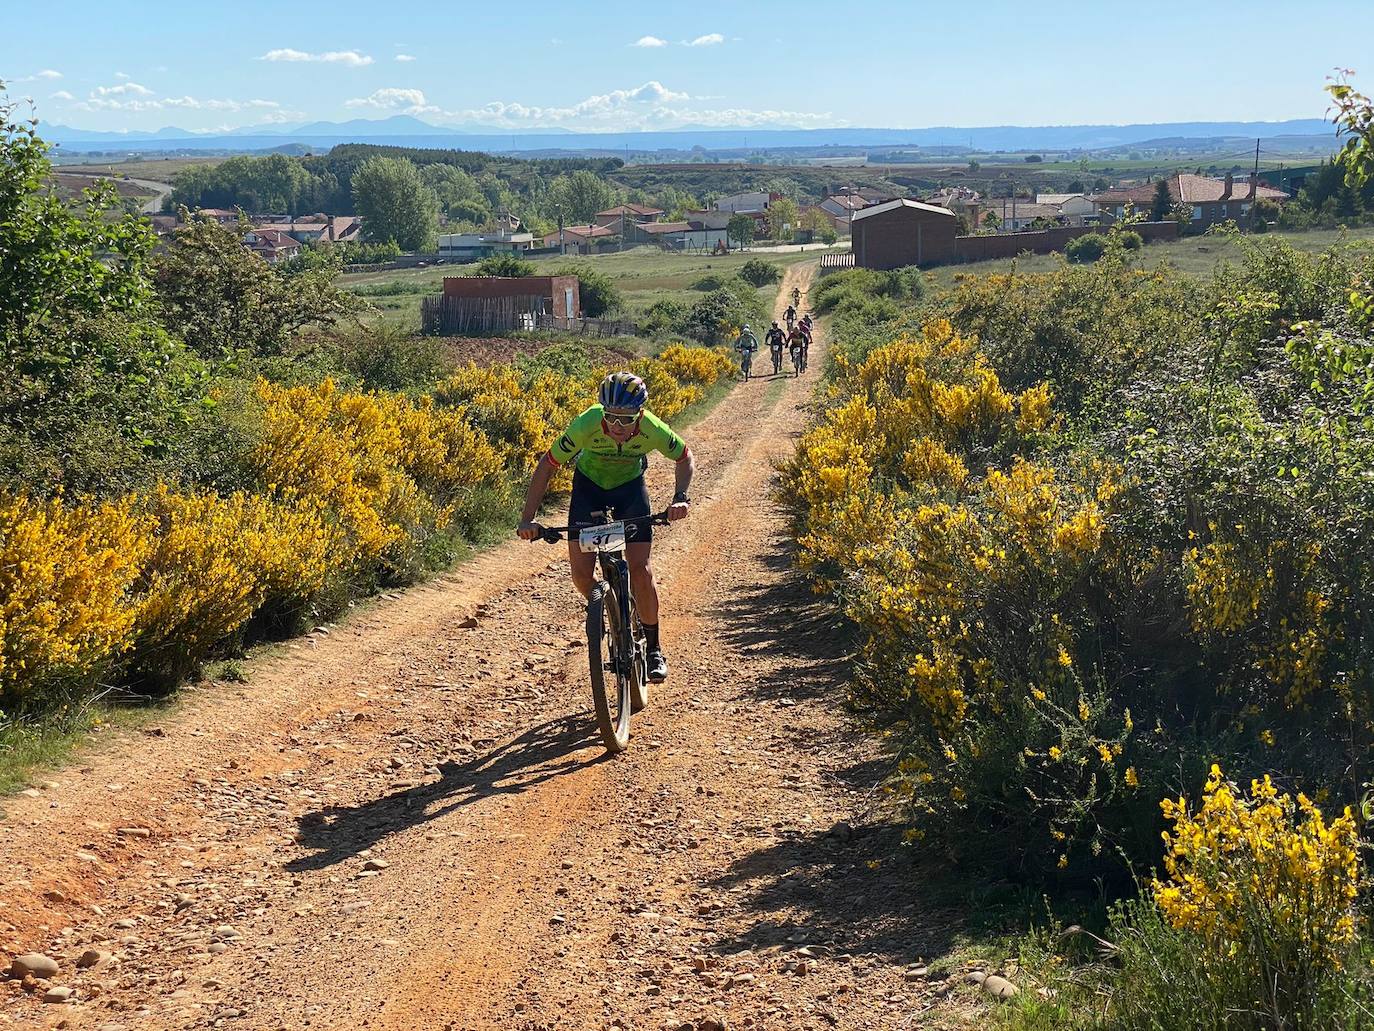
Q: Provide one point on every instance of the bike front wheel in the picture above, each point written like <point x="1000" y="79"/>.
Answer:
<point x="611" y="676"/>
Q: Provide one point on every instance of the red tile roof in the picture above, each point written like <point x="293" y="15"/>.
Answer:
<point x="630" y="209"/>
<point x="1189" y="189"/>
<point x="666" y="227"/>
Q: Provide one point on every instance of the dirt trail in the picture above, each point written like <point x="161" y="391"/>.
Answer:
<point x="408" y="822"/>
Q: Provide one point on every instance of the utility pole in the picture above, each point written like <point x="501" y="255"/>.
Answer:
<point x="1257" y="143"/>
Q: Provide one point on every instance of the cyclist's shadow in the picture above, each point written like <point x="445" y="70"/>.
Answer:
<point x="336" y="833"/>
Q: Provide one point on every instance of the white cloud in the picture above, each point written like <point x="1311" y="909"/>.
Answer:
<point x="123" y="75"/>
<point x="410" y="101"/>
<point x="46" y="73"/>
<point x="708" y="40"/>
<point x="405" y="57"/>
<point x="100" y="99"/>
<point x="62" y="95"/>
<point x="347" y="57"/>
<point x="650" y="106"/>
<point x="124" y="89"/>
<point x="649" y="41"/>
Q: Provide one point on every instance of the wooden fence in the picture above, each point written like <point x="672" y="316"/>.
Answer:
<point x="829" y="261"/>
<point x="444" y="315"/>
<point x="588" y="327"/>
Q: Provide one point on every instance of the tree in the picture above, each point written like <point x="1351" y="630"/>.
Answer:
<point x="1077" y="187"/>
<point x="395" y="204"/>
<point x="578" y="196"/>
<point x="457" y="192"/>
<point x="90" y="385"/>
<point x="1355" y="120"/>
<point x="817" y="221"/>
<point x="1033" y="158"/>
<point x="740" y="228"/>
<point x="782" y="218"/>
<point x="596" y="290"/>
<point x="991" y="221"/>
<point x="1163" y="202"/>
<point x="224" y="300"/>
<point x="973" y="166"/>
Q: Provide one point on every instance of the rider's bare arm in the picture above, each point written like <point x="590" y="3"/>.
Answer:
<point x="534" y="497"/>
<point x="682" y="480"/>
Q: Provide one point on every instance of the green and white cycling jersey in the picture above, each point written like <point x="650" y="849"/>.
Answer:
<point x="607" y="462"/>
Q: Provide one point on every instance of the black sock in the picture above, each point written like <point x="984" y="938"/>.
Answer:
<point x="651" y="635"/>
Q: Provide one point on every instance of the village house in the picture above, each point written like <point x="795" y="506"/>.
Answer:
<point x="680" y="236"/>
<point x="316" y="229"/>
<point x="747" y="203"/>
<point x="840" y="208"/>
<point x="586" y="239"/>
<point x="273" y="245"/>
<point x="623" y="214"/>
<point x="506" y="238"/>
<point x="1210" y="201"/>
<point x="223" y="216"/>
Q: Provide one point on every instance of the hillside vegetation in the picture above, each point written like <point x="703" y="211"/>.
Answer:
<point x="1106" y="532"/>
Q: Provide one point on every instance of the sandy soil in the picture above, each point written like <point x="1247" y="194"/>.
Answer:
<point x="407" y="822"/>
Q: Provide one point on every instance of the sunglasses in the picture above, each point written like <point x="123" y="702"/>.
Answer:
<point x="621" y="420"/>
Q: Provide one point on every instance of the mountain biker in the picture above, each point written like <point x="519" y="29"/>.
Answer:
<point x="790" y="315"/>
<point x="796" y="296"/>
<point x="610" y="444"/>
<point x="746" y="343"/>
<point x="799" y="341"/>
<point x="776" y="338"/>
<point x="805" y="325"/>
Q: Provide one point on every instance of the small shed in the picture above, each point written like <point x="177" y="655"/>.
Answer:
<point x="486" y="304"/>
<point x="902" y="232"/>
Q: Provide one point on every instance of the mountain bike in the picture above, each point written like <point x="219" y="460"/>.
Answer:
<point x="798" y="359"/>
<point x="796" y="296"/>
<point x="746" y="362"/>
<point x="777" y="358"/>
<point x="615" y="640"/>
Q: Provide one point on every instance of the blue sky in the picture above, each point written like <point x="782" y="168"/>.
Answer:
<point x="623" y="66"/>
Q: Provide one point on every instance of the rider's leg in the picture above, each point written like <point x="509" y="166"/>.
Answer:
<point x="642" y="582"/>
<point x="583" y="568"/>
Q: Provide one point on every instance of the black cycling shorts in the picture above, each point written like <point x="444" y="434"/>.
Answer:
<point x="623" y="502"/>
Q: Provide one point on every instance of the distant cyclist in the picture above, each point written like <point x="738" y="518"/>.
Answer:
<point x="610" y="444"/>
<point x="776" y="339"/>
<point x="796" y="296"/>
<point x="791" y="316"/>
<point x="746" y="344"/>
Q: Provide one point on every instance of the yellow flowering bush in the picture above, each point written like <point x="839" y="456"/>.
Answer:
<point x="66" y="574"/>
<point x="968" y="567"/>
<point x="348" y="488"/>
<point x="1260" y="899"/>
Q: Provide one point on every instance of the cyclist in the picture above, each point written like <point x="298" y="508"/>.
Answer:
<point x="791" y="316"/>
<point x="746" y="345"/>
<point x="805" y="325"/>
<point x="610" y="444"/>
<point x="796" y="296"/>
<point x="797" y="342"/>
<point x="776" y="339"/>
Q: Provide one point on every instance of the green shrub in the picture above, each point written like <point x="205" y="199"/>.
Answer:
<point x="386" y="357"/>
<point x="710" y="281"/>
<point x="758" y="272"/>
<point x="503" y="265"/>
<point x="1088" y="248"/>
<point x="596" y="290"/>
<point x="1130" y="240"/>
<point x="665" y="316"/>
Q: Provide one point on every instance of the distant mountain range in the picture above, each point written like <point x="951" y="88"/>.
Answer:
<point x="410" y="131"/>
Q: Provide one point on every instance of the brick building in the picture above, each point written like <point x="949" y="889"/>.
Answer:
<point x="902" y="232"/>
<point x="551" y="295"/>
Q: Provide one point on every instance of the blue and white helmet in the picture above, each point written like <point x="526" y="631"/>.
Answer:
<point x="623" y="391"/>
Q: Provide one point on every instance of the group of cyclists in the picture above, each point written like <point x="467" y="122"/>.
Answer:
<point x="796" y="338"/>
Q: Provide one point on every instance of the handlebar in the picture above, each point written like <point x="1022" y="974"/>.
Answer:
<point x="554" y="534"/>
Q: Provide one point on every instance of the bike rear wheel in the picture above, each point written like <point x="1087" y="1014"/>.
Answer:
<point x="610" y="674"/>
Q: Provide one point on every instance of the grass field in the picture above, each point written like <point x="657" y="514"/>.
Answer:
<point x="159" y="170"/>
<point x="1193" y="255"/>
<point x="644" y="275"/>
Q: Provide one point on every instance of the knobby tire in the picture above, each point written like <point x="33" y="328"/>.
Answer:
<point x="612" y="714"/>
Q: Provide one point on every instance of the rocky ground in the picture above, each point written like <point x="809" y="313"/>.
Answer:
<point x="406" y="820"/>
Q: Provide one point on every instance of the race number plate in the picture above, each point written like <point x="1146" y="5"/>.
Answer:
<point x="610" y="537"/>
